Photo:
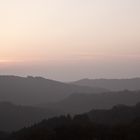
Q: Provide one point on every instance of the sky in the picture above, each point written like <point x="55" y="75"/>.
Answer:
<point x="70" y="39"/>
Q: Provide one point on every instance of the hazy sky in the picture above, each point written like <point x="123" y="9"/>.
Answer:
<point x="70" y="39"/>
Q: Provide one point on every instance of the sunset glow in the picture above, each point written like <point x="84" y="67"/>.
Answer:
<point x="59" y="38"/>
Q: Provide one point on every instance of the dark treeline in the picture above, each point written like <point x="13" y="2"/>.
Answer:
<point x="82" y="127"/>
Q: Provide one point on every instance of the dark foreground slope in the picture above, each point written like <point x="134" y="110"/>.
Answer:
<point x="111" y="84"/>
<point x="81" y="127"/>
<point x="80" y="103"/>
<point x="13" y="117"/>
<point x="35" y="90"/>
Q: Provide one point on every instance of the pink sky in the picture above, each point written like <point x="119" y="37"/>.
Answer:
<point x="68" y="40"/>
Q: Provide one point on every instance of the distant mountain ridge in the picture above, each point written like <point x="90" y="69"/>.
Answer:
<point x="111" y="84"/>
<point x="35" y="90"/>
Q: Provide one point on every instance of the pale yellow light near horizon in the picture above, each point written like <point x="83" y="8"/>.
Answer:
<point x="46" y="32"/>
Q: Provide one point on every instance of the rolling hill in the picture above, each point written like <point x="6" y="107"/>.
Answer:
<point x="80" y="103"/>
<point x="36" y="90"/>
<point x="14" y="117"/>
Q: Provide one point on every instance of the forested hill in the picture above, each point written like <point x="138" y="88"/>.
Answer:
<point x="83" y="127"/>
